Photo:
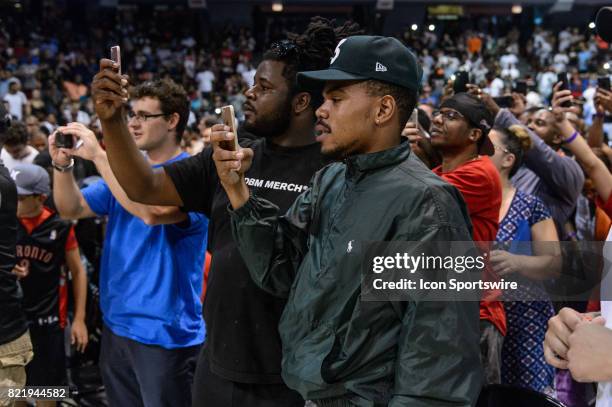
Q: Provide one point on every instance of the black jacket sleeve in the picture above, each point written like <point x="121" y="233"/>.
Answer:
<point x="271" y="245"/>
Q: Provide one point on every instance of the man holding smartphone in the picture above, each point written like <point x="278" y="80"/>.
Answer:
<point x="240" y="364"/>
<point x="338" y="349"/>
<point x="152" y="264"/>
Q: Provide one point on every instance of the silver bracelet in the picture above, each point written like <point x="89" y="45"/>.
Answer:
<point x="61" y="168"/>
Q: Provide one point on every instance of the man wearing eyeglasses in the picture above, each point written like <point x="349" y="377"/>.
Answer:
<point x="459" y="132"/>
<point x="151" y="271"/>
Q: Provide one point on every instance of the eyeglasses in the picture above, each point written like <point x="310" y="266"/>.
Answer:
<point x="143" y="117"/>
<point x="447" y="115"/>
<point x="283" y="48"/>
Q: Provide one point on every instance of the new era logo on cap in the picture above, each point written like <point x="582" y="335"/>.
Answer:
<point x="380" y="67"/>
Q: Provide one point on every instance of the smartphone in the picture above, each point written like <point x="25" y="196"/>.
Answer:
<point x="521" y="87"/>
<point x="229" y="119"/>
<point x="562" y="77"/>
<point x="64" y="140"/>
<point x="462" y="78"/>
<point x="116" y="56"/>
<point x="604" y="82"/>
<point x="504" y="102"/>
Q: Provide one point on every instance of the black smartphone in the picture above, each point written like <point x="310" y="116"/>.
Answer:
<point x="64" y="140"/>
<point x="604" y="82"/>
<point x="562" y="77"/>
<point x="504" y="102"/>
<point x="462" y="78"/>
<point x="521" y="87"/>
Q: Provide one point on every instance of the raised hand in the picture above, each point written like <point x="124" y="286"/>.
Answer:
<point x="109" y="90"/>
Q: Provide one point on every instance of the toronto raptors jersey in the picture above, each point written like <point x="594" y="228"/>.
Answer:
<point x="43" y="252"/>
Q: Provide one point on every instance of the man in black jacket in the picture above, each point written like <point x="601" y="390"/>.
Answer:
<point x="339" y="349"/>
<point x="15" y="345"/>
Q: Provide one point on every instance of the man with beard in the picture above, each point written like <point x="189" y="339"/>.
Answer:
<point x="339" y="349"/>
<point x="240" y="364"/>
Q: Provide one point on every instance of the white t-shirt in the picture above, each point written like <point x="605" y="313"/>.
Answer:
<point x="560" y="62"/>
<point x="508" y="60"/>
<point x="16" y="102"/>
<point x="205" y="81"/>
<point x="496" y="88"/>
<point x="249" y="77"/>
<point x="604" y="389"/>
<point x="10" y="162"/>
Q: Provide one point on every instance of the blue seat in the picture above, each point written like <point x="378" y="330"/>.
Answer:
<point x="500" y="395"/>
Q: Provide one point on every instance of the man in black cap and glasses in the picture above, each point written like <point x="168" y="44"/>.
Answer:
<point x="337" y="349"/>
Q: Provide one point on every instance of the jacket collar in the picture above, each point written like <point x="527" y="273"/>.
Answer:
<point x="372" y="161"/>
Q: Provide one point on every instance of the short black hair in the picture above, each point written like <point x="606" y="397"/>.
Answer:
<point x="405" y="99"/>
<point x="310" y="51"/>
<point x="172" y="99"/>
<point x="16" y="134"/>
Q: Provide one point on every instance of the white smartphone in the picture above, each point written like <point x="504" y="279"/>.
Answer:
<point x="116" y="56"/>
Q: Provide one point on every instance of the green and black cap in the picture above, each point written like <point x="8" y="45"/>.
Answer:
<point x="363" y="57"/>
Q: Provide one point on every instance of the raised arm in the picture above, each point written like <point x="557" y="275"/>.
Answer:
<point x="272" y="245"/>
<point x="91" y="150"/>
<point x="592" y="165"/>
<point x="563" y="175"/>
<point x="68" y="199"/>
<point x="140" y="182"/>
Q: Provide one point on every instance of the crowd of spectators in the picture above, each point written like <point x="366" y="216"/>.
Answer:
<point x="45" y="82"/>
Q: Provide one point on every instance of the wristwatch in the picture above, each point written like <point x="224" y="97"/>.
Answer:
<point x="65" y="168"/>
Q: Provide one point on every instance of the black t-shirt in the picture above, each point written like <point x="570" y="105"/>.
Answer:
<point x="241" y="319"/>
<point x="12" y="317"/>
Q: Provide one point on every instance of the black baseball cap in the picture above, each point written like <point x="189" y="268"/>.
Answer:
<point x="475" y="111"/>
<point x="603" y="22"/>
<point x="363" y="57"/>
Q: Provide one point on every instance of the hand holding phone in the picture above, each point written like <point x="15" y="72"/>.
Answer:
<point x="229" y="119"/>
<point x="562" y="77"/>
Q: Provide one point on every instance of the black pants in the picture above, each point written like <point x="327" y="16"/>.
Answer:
<point x="48" y="367"/>
<point x="210" y="390"/>
<point x="135" y="374"/>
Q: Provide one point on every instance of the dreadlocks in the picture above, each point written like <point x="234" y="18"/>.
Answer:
<point x="311" y="50"/>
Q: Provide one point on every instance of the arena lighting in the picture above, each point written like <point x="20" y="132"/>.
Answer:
<point x="606" y="66"/>
<point x="414" y="27"/>
<point x="517" y="9"/>
<point x="277" y="7"/>
<point x="432" y="27"/>
<point x="592" y="25"/>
